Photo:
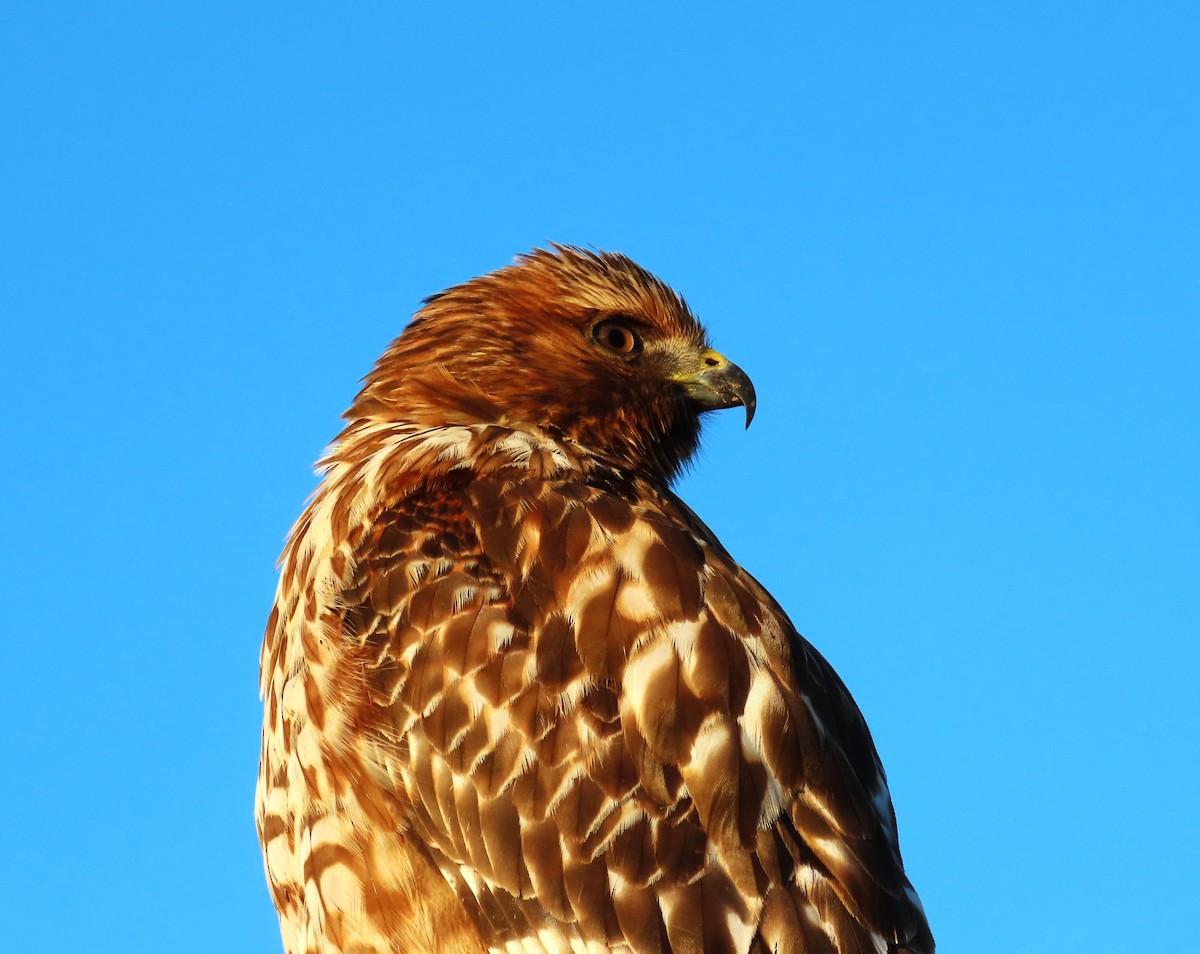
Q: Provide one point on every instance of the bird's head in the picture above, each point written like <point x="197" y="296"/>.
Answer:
<point x="584" y="346"/>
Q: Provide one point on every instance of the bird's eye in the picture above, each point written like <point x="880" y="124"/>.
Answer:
<point x="617" y="336"/>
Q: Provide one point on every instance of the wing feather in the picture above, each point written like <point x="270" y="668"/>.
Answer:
<point x="618" y="730"/>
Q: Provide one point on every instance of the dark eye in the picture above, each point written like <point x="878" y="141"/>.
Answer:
<point x="617" y="336"/>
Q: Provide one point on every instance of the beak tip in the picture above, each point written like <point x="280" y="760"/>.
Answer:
<point x="749" y="401"/>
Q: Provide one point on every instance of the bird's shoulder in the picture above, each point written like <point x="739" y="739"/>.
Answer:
<point x="580" y="695"/>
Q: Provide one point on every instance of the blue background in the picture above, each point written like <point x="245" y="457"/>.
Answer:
<point x="955" y="245"/>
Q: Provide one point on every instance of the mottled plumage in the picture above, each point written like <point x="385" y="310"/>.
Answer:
<point x="519" y="698"/>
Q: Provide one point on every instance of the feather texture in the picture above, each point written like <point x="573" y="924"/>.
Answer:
<point x="517" y="696"/>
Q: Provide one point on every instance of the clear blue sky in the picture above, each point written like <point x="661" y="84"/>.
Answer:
<point x="956" y="245"/>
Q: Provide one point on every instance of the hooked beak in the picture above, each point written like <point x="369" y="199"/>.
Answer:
<point x="719" y="383"/>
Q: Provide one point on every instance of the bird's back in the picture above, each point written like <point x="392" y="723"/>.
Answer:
<point x="544" y="709"/>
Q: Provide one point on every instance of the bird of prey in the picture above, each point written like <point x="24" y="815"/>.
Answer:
<point x="518" y="698"/>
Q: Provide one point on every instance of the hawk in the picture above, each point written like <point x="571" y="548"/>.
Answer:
<point x="518" y="697"/>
